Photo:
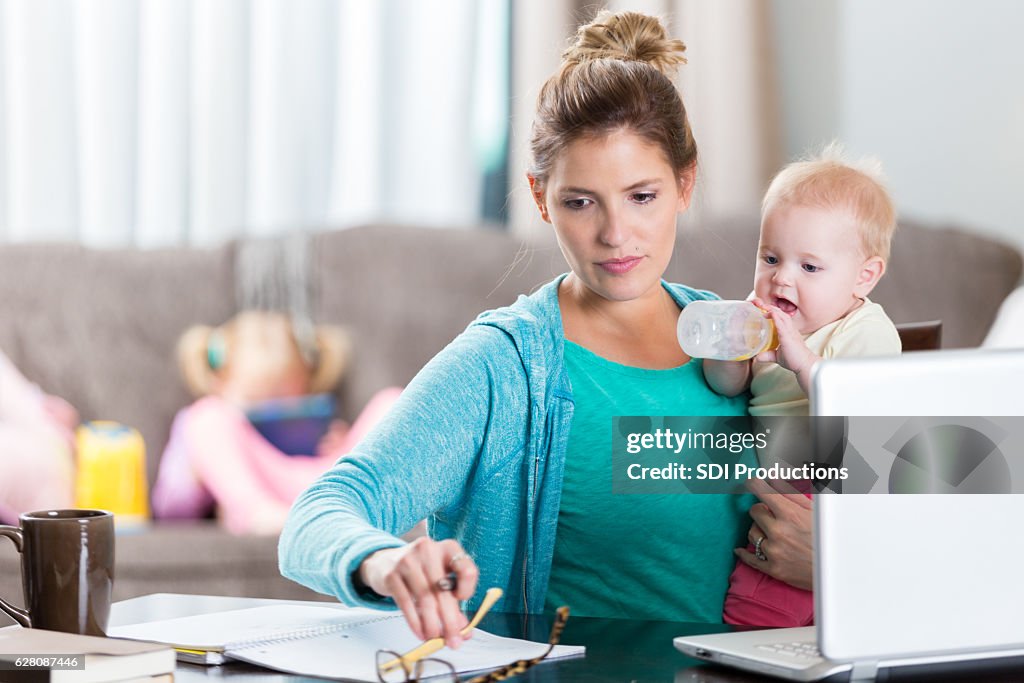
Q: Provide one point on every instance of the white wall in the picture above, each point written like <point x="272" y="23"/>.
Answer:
<point x="935" y="88"/>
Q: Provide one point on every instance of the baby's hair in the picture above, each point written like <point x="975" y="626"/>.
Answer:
<point x="830" y="181"/>
<point x="617" y="75"/>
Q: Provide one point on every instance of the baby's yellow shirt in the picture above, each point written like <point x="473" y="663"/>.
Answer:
<point x="866" y="331"/>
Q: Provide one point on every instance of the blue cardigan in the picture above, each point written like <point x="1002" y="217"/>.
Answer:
<point x="475" y="444"/>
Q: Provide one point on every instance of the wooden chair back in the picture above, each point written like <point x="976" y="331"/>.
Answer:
<point x="923" y="336"/>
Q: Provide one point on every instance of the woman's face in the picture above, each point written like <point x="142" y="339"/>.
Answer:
<point x="613" y="201"/>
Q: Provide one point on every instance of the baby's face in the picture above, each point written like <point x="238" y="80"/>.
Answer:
<point x="810" y="264"/>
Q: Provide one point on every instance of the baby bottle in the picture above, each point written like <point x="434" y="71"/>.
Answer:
<point x="725" y="330"/>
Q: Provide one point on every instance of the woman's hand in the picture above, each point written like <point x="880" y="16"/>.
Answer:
<point x="414" y="576"/>
<point x="783" y="521"/>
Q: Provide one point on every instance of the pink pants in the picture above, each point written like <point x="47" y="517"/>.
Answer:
<point x="756" y="599"/>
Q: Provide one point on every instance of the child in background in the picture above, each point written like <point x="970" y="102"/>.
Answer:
<point x="36" y="446"/>
<point x="215" y="458"/>
<point x="826" y="229"/>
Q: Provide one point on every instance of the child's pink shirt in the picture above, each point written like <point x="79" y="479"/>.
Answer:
<point x="216" y="459"/>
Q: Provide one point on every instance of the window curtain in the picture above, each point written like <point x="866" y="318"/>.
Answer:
<point x="167" y="122"/>
<point x="728" y="86"/>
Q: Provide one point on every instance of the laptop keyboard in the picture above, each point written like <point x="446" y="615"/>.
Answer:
<point x="800" y="651"/>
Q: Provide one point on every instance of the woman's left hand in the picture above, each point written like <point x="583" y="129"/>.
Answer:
<point x="784" y="522"/>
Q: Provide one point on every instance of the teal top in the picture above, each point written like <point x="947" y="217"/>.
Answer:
<point x="639" y="556"/>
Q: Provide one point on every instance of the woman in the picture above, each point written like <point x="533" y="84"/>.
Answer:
<point x="502" y="440"/>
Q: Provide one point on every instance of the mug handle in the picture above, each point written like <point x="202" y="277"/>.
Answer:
<point x="16" y="613"/>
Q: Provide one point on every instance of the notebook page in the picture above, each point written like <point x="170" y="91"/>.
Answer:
<point x="221" y="631"/>
<point x="325" y="641"/>
<point x="351" y="654"/>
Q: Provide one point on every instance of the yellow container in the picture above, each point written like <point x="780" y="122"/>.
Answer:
<point x="112" y="471"/>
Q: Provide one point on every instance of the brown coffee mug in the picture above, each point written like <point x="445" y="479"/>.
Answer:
<point x="67" y="569"/>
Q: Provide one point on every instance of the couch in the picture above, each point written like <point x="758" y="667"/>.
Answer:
<point x="99" y="328"/>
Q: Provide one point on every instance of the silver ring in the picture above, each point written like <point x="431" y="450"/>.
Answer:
<point x="444" y="584"/>
<point x="456" y="558"/>
<point x="758" y="553"/>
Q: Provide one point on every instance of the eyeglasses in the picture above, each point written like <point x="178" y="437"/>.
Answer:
<point x="428" y="667"/>
<point x="415" y="665"/>
<point x="431" y="646"/>
<point x="518" y="667"/>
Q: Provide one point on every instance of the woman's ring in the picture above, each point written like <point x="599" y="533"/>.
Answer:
<point x="758" y="552"/>
<point x="445" y="584"/>
<point x="456" y="558"/>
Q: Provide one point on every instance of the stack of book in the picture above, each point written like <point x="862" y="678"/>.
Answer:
<point x="29" y="655"/>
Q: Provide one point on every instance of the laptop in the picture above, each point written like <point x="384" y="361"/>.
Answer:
<point x="908" y="584"/>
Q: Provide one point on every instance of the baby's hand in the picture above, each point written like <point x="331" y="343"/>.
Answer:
<point x="792" y="353"/>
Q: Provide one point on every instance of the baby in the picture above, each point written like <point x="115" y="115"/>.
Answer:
<point x="826" y="228"/>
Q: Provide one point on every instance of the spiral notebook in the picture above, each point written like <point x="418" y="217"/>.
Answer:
<point x="321" y="641"/>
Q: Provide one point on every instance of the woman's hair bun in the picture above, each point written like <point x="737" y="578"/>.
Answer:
<point x="628" y="36"/>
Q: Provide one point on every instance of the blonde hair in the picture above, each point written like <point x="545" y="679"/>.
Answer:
<point x="270" y="351"/>
<point x="829" y="181"/>
<point x="616" y="75"/>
